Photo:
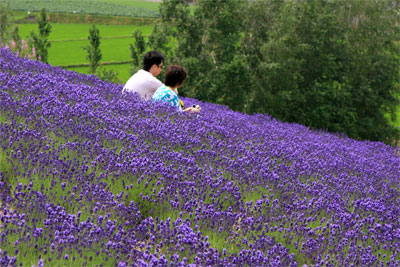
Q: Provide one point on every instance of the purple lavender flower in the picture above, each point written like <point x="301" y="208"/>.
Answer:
<point x="142" y="184"/>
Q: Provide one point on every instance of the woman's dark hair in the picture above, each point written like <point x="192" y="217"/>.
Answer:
<point x="151" y="58"/>
<point x="174" y="75"/>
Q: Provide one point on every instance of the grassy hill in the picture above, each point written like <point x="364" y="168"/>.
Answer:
<point x="90" y="176"/>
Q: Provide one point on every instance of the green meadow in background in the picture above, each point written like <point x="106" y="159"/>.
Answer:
<point x="68" y="40"/>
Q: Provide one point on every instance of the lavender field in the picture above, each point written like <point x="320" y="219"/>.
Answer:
<point x="90" y="177"/>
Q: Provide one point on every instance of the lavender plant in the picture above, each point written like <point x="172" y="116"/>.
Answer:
<point x="93" y="177"/>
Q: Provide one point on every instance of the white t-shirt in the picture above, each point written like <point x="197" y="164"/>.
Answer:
<point x="143" y="83"/>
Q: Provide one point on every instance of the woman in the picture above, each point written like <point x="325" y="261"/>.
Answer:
<point x="174" y="77"/>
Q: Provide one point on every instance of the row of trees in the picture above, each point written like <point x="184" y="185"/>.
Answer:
<point x="37" y="45"/>
<point x="326" y="64"/>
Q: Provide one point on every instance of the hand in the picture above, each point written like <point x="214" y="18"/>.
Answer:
<point x="193" y="109"/>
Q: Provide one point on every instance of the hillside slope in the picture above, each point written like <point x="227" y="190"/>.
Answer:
<point x="91" y="176"/>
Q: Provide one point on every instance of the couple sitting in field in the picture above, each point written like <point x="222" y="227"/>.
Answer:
<point x="145" y="83"/>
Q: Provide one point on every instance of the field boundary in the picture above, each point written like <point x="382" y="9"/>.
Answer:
<point x="87" y="19"/>
<point x="101" y="63"/>
<point x="85" y="39"/>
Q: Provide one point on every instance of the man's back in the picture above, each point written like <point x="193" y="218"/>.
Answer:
<point x="143" y="83"/>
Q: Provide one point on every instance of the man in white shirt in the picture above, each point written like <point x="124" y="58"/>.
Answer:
<point x="144" y="82"/>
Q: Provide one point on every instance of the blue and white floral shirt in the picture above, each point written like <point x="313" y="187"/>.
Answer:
<point x="165" y="94"/>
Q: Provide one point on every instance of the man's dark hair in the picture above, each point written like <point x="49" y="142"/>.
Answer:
<point x="174" y="75"/>
<point x="151" y="58"/>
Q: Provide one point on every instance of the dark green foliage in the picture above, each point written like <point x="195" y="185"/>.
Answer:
<point x="93" y="50"/>
<point x="372" y="65"/>
<point x="232" y="83"/>
<point x="137" y="50"/>
<point x="331" y="65"/>
<point x="206" y="44"/>
<point x="40" y="42"/>
<point x="159" y="41"/>
<point x="300" y="62"/>
<point x="346" y="79"/>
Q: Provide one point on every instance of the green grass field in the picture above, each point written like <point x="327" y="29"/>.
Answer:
<point x="71" y="52"/>
<point x="68" y="40"/>
<point x="122" y="69"/>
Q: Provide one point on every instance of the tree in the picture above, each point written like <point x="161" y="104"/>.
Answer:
<point x="329" y="65"/>
<point x="40" y="42"/>
<point x="93" y="50"/>
<point x="207" y="39"/>
<point x="372" y="65"/>
<point x="137" y="50"/>
<point x="94" y="56"/>
<point x="6" y="20"/>
<point x="17" y="40"/>
<point x="321" y="67"/>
